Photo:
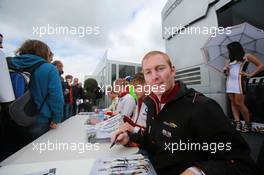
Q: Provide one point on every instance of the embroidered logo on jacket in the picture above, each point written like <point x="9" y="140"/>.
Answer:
<point x="170" y="124"/>
<point x="166" y="133"/>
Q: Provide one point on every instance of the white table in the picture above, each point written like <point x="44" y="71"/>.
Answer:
<point x="71" y="132"/>
<point x="78" y="167"/>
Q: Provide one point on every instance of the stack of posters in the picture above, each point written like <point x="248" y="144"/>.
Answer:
<point x="134" y="164"/>
<point x="101" y="132"/>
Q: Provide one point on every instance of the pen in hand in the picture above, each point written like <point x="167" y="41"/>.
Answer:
<point x="114" y="142"/>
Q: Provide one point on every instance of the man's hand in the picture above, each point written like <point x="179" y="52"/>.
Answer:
<point x="188" y="172"/>
<point x="126" y="127"/>
<point x="120" y="137"/>
<point x="53" y="125"/>
<point x="192" y="171"/>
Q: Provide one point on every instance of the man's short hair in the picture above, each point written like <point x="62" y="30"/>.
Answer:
<point x="56" y="62"/>
<point x="1" y="35"/>
<point x="68" y="77"/>
<point x="152" y="53"/>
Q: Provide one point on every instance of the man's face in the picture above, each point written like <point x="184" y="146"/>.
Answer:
<point x="158" y="74"/>
<point x="69" y="80"/>
<point x="60" y="68"/>
<point x="119" y="87"/>
<point x="50" y="57"/>
<point x="111" y="95"/>
<point x="75" y="81"/>
<point x="1" y="42"/>
<point x="138" y="89"/>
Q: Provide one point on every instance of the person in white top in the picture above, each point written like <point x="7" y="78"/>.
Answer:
<point x="6" y="89"/>
<point x="138" y="120"/>
<point x="126" y="103"/>
<point x="235" y="84"/>
<point x="114" y="100"/>
<point x="140" y="115"/>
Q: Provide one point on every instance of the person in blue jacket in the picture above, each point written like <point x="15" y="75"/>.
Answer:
<point x="45" y="85"/>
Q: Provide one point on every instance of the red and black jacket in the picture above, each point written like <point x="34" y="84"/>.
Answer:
<point x="190" y="117"/>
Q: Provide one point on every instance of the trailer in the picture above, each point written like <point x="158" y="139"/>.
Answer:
<point x="109" y="69"/>
<point x="188" y="24"/>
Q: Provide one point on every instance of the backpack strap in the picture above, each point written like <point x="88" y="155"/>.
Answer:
<point x="10" y="65"/>
<point x="32" y="69"/>
<point x="47" y="93"/>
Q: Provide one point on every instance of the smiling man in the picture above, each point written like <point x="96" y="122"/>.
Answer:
<point x="186" y="133"/>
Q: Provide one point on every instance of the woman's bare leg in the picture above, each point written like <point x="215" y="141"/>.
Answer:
<point x="239" y="102"/>
<point x="234" y="108"/>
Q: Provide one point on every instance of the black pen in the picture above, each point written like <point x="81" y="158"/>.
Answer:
<point x="114" y="142"/>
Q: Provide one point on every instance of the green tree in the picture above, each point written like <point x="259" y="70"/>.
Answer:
<point x="90" y="86"/>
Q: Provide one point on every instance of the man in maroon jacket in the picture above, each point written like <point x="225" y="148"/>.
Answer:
<point x="186" y="133"/>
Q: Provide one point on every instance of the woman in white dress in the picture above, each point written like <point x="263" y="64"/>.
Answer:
<point x="235" y="84"/>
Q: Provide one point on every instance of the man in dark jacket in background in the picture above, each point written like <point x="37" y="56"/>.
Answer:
<point x="58" y="64"/>
<point x="77" y="94"/>
<point x="186" y="133"/>
<point x="68" y="97"/>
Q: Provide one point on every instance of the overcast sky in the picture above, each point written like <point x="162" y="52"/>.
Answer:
<point x="126" y="28"/>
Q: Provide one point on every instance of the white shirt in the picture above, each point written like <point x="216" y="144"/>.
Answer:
<point x="6" y="88"/>
<point x="140" y="117"/>
<point x="234" y="81"/>
<point x="126" y="105"/>
<point x="113" y="105"/>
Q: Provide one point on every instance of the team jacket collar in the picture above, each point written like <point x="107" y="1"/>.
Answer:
<point x="178" y="91"/>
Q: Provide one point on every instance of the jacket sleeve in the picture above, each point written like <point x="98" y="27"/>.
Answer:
<point x="229" y="148"/>
<point x="55" y="99"/>
<point x="140" y="138"/>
